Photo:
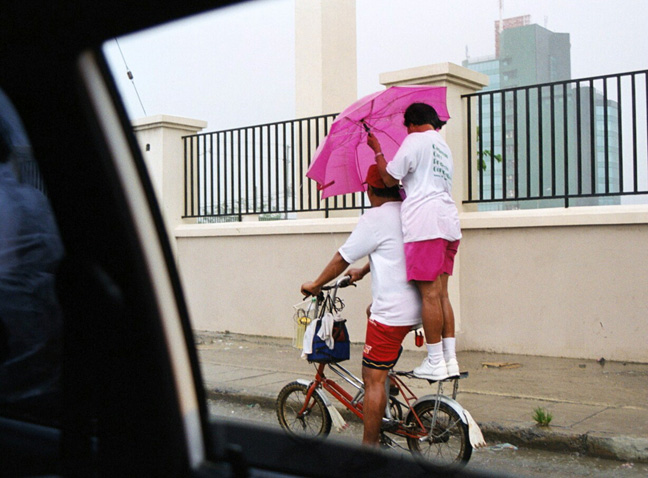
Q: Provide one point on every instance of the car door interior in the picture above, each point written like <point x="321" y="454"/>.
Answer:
<point x="120" y="403"/>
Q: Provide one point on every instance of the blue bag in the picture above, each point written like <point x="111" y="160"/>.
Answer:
<point x="341" y="347"/>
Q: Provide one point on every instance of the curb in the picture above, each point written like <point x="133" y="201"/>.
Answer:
<point x="600" y="446"/>
<point x="232" y="396"/>
<point x="544" y="438"/>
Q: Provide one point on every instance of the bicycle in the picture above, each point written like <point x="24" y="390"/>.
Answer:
<point x="435" y="427"/>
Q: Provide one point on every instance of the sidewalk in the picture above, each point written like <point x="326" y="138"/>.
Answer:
<point x="599" y="408"/>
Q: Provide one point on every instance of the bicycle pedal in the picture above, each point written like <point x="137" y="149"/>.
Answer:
<point x="389" y="425"/>
<point x="386" y="443"/>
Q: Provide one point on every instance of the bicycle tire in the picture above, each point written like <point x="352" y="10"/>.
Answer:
<point x="316" y="422"/>
<point x="449" y="445"/>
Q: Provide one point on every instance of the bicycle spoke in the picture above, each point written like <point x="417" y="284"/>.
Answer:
<point x="314" y="421"/>
<point x="444" y="437"/>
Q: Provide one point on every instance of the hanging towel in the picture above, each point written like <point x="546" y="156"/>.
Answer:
<point x="307" y="344"/>
<point x="339" y="423"/>
<point x="326" y="330"/>
<point x="474" y="433"/>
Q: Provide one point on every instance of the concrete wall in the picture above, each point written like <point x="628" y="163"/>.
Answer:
<point x="568" y="283"/>
<point x="558" y="282"/>
<point x="245" y="278"/>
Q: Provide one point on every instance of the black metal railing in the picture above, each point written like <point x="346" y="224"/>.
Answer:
<point x="567" y="143"/>
<point x="257" y="170"/>
<point x="575" y="142"/>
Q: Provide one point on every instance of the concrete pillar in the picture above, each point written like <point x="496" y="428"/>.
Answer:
<point x="459" y="81"/>
<point x="325" y="56"/>
<point x="160" y="139"/>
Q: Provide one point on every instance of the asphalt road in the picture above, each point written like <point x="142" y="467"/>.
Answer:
<point x="496" y="458"/>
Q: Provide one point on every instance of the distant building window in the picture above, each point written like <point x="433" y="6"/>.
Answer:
<point x="553" y="68"/>
<point x="510" y="75"/>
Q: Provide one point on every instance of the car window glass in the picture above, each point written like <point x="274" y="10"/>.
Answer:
<point x="30" y="252"/>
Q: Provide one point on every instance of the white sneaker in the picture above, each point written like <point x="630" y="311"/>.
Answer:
<point x="453" y="367"/>
<point x="429" y="371"/>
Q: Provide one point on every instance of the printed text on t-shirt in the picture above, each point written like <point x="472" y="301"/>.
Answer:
<point x="439" y="168"/>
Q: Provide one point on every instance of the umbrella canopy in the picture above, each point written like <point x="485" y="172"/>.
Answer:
<point x="341" y="161"/>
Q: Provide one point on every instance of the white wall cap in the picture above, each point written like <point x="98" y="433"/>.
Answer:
<point x="574" y="216"/>
<point x="168" y="121"/>
<point x="437" y="72"/>
<point x="297" y="226"/>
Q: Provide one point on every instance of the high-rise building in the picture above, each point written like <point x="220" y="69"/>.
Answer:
<point x="531" y="54"/>
<point x="518" y="127"/>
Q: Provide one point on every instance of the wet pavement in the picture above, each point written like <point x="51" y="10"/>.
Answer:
<point x="599" y="408"/>
<point x="498" y="459"/>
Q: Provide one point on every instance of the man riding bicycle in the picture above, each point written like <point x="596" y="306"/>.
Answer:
<point x="396" y="305"/>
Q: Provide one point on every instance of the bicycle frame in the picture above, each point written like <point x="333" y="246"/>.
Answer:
<point x="353" y="403"/>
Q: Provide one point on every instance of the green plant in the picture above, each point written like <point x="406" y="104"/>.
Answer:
<point x="486" y="153"/>
<point x="481" y="162"/>
<point x="542" y="417"/>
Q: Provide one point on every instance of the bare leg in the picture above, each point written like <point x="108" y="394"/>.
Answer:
<point x="431" y="310"/>
<point x="438" y="321"/>
<point x="448" y="329"/>
<point x="375" y="401"/>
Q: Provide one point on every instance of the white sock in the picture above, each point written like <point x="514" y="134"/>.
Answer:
<point x="449" y="351"/>
<point x="435" y="352"/>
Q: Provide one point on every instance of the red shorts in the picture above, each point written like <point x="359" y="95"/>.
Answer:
<point x="383" y="344"/>
<point x="427" y="260"/>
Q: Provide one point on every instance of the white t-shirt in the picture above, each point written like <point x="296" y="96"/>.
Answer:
<point x="395" y="300"/>
<point x="423" y="163"/>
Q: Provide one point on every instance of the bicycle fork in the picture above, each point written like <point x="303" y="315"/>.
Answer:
<point x="309" y="402"/>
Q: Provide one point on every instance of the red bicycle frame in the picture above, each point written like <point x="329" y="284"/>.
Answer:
<point x="354" y="404"/>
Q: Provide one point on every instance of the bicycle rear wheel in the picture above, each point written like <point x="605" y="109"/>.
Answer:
<point x="448" y="443"/>
<point x="314" y="422"/>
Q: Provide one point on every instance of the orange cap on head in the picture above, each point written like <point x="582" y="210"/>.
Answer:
<point x="373" y="177"/>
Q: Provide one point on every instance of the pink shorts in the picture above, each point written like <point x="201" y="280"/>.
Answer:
<point x="383" y="344"/>
<point x="427" y="260"/>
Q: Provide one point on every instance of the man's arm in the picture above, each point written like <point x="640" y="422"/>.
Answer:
<point x="358" y="274"/>
<point x="333" y="269"/>
<point x="381" y="162"/>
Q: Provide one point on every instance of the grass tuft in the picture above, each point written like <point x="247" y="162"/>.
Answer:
<point x="542" y="417"/>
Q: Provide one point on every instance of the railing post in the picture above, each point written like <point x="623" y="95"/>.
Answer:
<point x="160" y="139"/>
<point x="459" y="81"/>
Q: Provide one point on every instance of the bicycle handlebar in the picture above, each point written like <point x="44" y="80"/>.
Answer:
<point x="341" y="283"/>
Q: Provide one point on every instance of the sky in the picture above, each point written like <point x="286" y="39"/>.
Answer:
<point x="236" y="66"/>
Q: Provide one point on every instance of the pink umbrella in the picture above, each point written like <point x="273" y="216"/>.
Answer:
<point x="341" y="161"/>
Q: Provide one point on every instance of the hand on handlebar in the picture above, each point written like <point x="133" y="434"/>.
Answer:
<point x="310" y="288"/>
<point x="355" y="275"/>
<point x="344" y="281"/>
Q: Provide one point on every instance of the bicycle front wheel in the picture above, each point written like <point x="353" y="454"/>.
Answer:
<point x="312" y="420"/>
<point x="443" y="441"/>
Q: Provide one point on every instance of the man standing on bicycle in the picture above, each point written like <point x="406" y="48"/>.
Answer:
<point x="396" y="305"/>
